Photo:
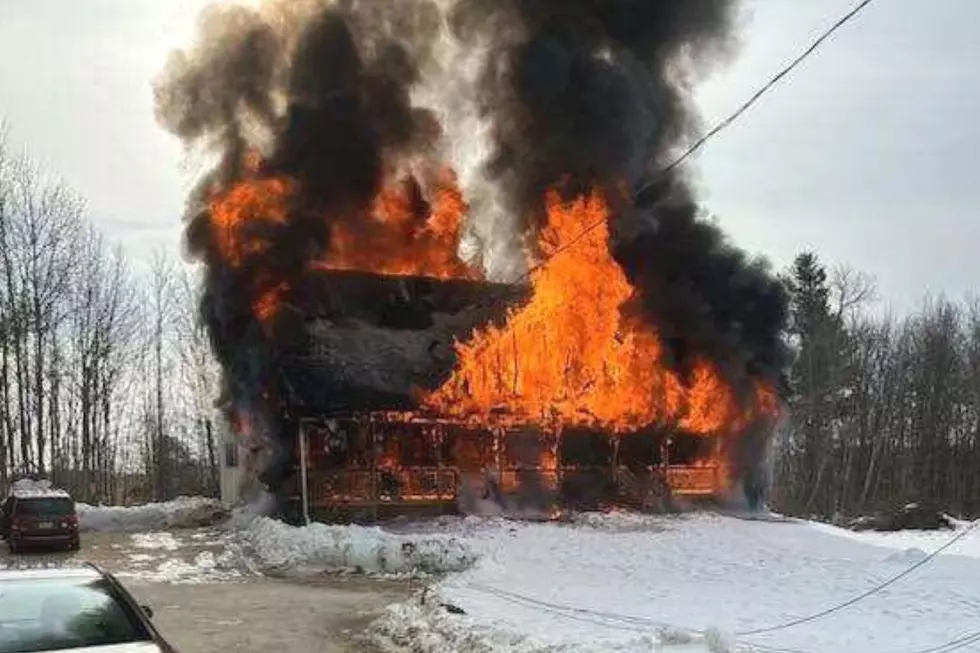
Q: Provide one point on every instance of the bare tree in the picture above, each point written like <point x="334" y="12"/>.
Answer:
<point x="103" y="334"/>
<point x="199" y="370"/>
<point x="82" y="341"/>
<point x="160" y="307"/>
<point x="893" y="408"/>
<point x="39" y="232"/>
<point x="8" y="317"/>
<point x="851" y="291"/>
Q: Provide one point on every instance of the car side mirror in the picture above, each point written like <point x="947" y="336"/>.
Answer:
<point x="147" y="610"/>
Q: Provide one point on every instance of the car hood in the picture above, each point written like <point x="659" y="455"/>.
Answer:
<point x="134" y="647"/>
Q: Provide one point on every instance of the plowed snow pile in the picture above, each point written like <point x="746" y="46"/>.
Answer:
<point x="695" y="584"/>
<point x="182" y="512"/>
<point x="278" y="547"/>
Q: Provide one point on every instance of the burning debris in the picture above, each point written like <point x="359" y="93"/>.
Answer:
<point x="430" y="213"/>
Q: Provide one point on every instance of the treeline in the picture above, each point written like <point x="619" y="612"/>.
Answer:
<point x="884" y="410"/>
<point x="102" y="367"/>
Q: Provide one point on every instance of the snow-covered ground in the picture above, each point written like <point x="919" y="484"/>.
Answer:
<point x="619" y="583"/>
<point x="911" y="540"/>
<point x="628" y="583"/>
<point x="179" y="557"/>
<point x="184" y="557"/>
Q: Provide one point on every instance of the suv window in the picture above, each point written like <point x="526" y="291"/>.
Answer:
<point x="48" y="615"/>
<point x="44" y="507"/>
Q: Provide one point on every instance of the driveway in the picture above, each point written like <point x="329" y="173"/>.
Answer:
<point x="205" y="597"/>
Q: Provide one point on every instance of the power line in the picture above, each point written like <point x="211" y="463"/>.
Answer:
<point x="642" y="625"/>
<point x="605" y="619"/>
<point x="724" y="124"/>
<point x="627" y="622"/>
<point x="864" y="595"/>
<point x="953" y="645"/>
<point x="727" y="122"/>
<point x="701" y="142"/>
<point x="957" y="644"/>
<point x="609" y="620"/>
<point x="569" y="612"/>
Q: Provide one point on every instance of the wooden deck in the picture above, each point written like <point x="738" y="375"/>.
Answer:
<point x="359" y="469"/>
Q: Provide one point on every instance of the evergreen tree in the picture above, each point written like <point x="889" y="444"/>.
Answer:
<point x="815" y="376"/>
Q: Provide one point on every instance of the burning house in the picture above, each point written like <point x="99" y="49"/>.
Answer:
<point x="442" y="269"/>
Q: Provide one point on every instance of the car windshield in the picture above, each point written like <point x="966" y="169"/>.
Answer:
<point x="44" y="507"/>
<point x="49" y="615"/>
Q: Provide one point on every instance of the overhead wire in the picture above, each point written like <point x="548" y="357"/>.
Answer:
<point x="867" y="594"/>
<point x="953" y="645"/>
<point x="608" y="619"/>
<point x="723" y="125"/>
<point x="629" y="622"/>
<point x="639" y="625"/>
<point x="748" y="104"/>
<point x="701" y="142"/>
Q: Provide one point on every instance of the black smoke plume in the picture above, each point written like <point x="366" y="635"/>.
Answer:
<point x="344" y="82"/>
<point x="576" y="94"/>
<point x="590" y="93"/>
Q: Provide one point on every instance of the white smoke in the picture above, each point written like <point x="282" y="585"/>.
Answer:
<point x="263" y="505"/>
<point x="450" y="88"/>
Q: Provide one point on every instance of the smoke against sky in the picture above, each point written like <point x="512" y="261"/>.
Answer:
<point x="767" y="180"/>
<point x="309" y="113"/>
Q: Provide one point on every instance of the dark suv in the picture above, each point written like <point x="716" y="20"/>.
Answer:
<point x="41" y="518"/>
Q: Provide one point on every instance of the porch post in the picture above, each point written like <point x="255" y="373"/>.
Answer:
<point x="304" y="473"/>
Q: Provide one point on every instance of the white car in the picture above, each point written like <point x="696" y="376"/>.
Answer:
<point x="80" y="609"/>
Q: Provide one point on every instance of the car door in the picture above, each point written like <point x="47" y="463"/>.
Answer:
<point x="141" y="612"/>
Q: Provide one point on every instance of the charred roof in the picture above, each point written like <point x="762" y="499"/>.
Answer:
<point x="372" y="342"/>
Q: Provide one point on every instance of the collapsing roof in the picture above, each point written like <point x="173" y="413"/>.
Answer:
<point x="373" y="342"/>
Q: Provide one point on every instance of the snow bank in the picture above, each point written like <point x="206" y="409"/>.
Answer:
<point x="429" y="626"/>
<point x="319" y="547"/>
<point x="432" y="628"/>
<point x="183" y="512"/>
<point x="637" y="584"/>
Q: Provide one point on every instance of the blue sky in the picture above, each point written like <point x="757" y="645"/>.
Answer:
<point x="867" y="155"/>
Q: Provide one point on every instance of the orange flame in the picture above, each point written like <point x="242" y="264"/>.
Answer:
<point x="267" y="305"/>
<point x="397" y="238"/>
<point x="571" y="355"/>
<point x="236" y="215"/>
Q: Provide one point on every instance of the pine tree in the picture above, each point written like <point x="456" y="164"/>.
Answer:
<point x="818" y="338"/>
